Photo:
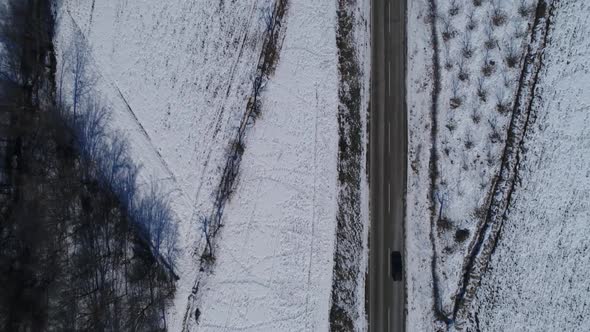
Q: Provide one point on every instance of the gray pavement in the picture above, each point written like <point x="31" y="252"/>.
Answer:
<point x="388" y="142"/>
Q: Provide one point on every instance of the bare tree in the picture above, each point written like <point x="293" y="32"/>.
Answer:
<point x="524" y="9"/>
<point x="475" y="115"/>
<point x="454" y="8"/>
<point x="268" y="17"/>
<point x="464" y="162"/>
<point x="490" y="41"/>
<point x="468" y="140"/>
<point x="467" y="47"/>
<point x="490" y="160"/>
<point x="498" y="16"/>
<point x="451" y="122"/>
<point x="206" y="228"/>
<point x="456" y="99"/>
<point x="489" y="65"/>
<point x="519" y="29"/>
<point x="507" y="79"/>
<point x="481" y="90"/>
<point x="448" y="59"/>
<point x="510" y="54"/>
<point x="502" y="103"/>
<point x="483" y="179"/>
<point x="82" y="79"/>
<point x="471" y="21"/>
<point x="90" y="127"/>
<point x="463" y="74"/>
<point x="448" y="32"/>
<point x="495" y="136"/>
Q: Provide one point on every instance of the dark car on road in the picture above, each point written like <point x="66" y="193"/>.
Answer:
<point x="396" y="266"/>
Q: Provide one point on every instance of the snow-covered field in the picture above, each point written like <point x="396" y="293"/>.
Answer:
<point x="274" y="266"/>
<point x="537" y="279"/>
<point x="177" y="77"/>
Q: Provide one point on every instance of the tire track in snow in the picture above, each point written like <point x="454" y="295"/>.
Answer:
<point x="273" y="38"/>
<point x="130" y="111"/>
<point x="220" y="112"/>
<point x="313" y="202"/>
<point x="248" y="232"/>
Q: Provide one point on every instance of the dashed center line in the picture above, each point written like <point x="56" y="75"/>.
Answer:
<point x="389" y="78"/>
<point x="389" y="21"/>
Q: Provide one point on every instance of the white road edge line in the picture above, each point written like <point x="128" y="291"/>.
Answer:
<point x="389" y="138"/>
<point x="388" y="262"/>
<point x="388" y="320"/>
<point x="389" y="78"/>
<point x="388" y="196"/>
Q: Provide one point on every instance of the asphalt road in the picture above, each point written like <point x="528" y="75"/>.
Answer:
<point x="388" y="142"/>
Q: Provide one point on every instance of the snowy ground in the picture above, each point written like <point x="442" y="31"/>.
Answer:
<point x="418" y="86"/>
<point x="461" y="132"/>
<point x="537" y="280"/>
<point x="274" y="265"/>
<point x="177" y="76"/>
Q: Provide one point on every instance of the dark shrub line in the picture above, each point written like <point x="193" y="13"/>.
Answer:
<point x="433" y="163"/>
<point x="349" y="225"/>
